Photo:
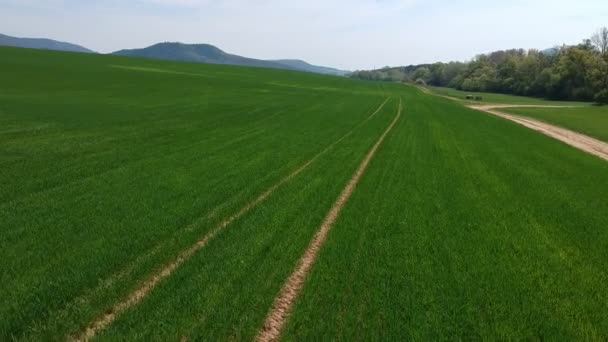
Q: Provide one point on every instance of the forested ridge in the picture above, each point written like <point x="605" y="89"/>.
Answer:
<point x="578" y="72"/>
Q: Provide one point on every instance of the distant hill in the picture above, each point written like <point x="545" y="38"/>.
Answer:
<point x="205" y="53"/>
<point x="201" y="53"/>
<point x="302" y="65"/>
<point x="41" y="43"/>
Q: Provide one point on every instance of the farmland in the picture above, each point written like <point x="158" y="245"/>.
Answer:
<point x="463" y="225"/>
<point x="590" y="120"/>
<point x="465" y="232"/>
<point x="501" y="98"/>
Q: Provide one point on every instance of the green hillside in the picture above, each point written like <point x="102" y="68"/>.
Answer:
<point x="41" y="43"/>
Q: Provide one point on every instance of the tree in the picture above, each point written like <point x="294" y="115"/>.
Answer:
<point x="451" y="72"/>
<point x="600" y="40"/>
<point x="575" y="68"/>
<point x="506" y="73"/>
<point x="602" y="97"/>
<point x="423" y="74"/>
<point x="578" y="72"/>
<point x="436" y="74"/>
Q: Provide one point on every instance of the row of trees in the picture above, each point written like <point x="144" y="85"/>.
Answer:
<point x="577" y="72"/>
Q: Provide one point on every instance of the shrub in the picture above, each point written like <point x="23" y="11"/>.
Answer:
<point x="601" y="97"/>
<point x="421" y="82"/>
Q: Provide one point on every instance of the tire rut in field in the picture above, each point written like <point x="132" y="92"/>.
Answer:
<point x="281" y="307"/>
<point x="134" y="297"/>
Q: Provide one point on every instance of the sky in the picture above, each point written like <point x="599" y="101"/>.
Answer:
<point x="348" y="34"/>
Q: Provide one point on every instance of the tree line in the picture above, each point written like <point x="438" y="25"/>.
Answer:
<point x="578" y="72"/>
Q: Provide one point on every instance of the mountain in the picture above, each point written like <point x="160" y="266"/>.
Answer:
<point x="205" y="53"/>
<point x="301" y="65"/>
<point x="202" y="53"/>
<point x="40" y="43"/>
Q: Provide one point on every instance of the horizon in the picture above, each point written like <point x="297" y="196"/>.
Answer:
<point x="356" y="35"/>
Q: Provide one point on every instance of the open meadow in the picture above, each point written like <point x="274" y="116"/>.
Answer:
<point x="155" y="200"/>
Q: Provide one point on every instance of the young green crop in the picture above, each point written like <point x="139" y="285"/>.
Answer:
<point x="109" y="172"/>
<point x="223" y="293"/>
<point x="466" y="226"/>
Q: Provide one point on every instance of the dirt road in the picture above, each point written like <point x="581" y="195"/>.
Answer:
<point x="582" y="142"/>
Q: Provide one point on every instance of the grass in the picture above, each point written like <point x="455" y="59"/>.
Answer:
<point x="109" y="169"/>
<point x="224" y="292"/>
<point x="461" y="230"/>
<point x="592" y="120"/>
<point x="464" y="226"/>
<point x="500" y="98"/>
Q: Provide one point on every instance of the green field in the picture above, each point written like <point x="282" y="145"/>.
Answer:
<point x="590" y="120"/>
<point x="464" y="226"/>
<point x="464" y="232"/>
<point x="501" y="98"/>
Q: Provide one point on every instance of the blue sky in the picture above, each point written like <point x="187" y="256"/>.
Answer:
<point x="350" y="34"/>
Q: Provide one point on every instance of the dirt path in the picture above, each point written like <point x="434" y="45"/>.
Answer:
<point x="582" y="142"/>
<point x="429" y="92"/>
<point x="283" y="303"/>
<point x="490" y="106"/>
<point x="149" y="284"/>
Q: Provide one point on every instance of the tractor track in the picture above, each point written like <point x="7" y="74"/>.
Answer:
<point x="283" y="303"/>
<point x="139" y="293"/>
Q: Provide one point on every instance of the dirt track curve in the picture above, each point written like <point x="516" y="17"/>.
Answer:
<point x="582" y="142"/>
<point x="281" y="308"/>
